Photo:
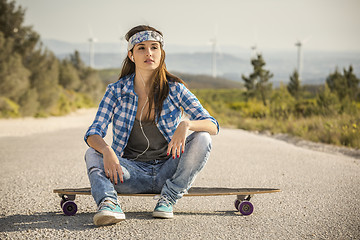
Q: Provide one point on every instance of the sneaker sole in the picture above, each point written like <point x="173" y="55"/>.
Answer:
<point x="163" y="215"/>
<point x="107" y="218"/>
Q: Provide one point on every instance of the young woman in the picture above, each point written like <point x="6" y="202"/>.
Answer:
<point x="151" y="151"/>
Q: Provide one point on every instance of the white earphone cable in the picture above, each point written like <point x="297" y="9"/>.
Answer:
<point x="141" y="127"/>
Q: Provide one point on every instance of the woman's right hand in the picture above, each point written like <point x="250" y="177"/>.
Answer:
<point x="112" y="166"/>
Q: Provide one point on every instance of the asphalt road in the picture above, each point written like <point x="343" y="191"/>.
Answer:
<point x="320" y="196"/>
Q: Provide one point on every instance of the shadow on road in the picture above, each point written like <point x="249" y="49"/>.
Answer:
<point x="79" y="222"/>
<point x="46" y="220"/>
<point x="148" y="215"/>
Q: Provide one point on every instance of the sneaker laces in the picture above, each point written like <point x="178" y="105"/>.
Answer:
<point x="106" y="204"/>
<point x="163" y="200"/>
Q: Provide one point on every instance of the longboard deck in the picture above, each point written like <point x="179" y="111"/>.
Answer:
<point x="194" y="191"/>
<point x="242" y="203"/>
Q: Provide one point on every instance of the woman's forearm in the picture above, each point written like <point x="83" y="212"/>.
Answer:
<point x="97" y="142"/>
<point x="201" y="125"/>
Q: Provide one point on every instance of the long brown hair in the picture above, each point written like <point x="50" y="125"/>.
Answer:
<point x="159" y="88"/>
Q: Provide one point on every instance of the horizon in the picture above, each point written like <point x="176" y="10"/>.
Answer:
<point x="232" y="63"/>
<point x="185" y="48"/>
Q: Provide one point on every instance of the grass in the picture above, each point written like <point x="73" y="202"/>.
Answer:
<point x="342" y="130"/>
<point x="337" y="124"/>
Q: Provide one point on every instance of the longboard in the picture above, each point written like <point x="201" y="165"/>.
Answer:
<point x="242" y="202"/>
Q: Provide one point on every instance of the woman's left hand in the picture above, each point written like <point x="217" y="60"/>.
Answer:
<point x="177" y="143"/>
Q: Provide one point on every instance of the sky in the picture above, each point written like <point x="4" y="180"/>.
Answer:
<point x="328" y="25"/>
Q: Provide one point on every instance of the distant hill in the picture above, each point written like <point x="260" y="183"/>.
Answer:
<point x="232" y="62"/>
<point x="228" y="66"/>
<point x="206" y="81"/>
<point x="193" y="81"/>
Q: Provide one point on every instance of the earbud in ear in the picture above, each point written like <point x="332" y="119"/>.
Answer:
<point x="132" y="58"/>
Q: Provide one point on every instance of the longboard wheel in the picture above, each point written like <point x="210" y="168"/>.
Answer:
<point x="63" y="200"/>
<point x="246" y="208"/>
<point x="69" y="208"/>
<point x="236" y="203"/>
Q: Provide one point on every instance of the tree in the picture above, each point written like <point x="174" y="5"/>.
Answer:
<point x="11" y="19"/>
<point x="17" y="43"/>
<point x="352" y="83"/>
<point x="90" y="81"/>
<point x="32" y="80"/>
<point x="282" y="103"/>
<point x="91" y="84"/>
<point x="294" y="86"/>
<point x="28" y="102"/>
<point x="327" y="101"/>
<point x="257" y="84"/>
<point x="344" y="85"/>
<point x="45" y="79"/>
<point x="76" y="61"/>
<point x="69" y="77"/>
<point x="14" y="77"/>
<point x="337" y="83"/>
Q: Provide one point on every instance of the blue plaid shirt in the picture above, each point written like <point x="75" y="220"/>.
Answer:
<point x="119" y="105"/>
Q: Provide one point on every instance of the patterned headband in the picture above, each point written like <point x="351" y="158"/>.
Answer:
<point x="145" y="36"/>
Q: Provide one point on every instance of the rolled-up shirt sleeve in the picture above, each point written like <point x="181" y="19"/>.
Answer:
<point x="193" y="107"/>
<point x="103" y="116"/>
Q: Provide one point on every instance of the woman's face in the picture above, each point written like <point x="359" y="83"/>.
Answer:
<point x="147" y="55"/>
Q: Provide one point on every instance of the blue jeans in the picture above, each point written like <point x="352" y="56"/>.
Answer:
<point x="171" y="178"/>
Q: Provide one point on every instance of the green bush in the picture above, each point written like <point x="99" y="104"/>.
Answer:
<point x="28" y="102"/>
<point x="238" y="106"/>
<point x="64" y="104"/>
<point x="8" y="108"/>
<point x="83" y="101"/>
<point x="70" y="101"/>
<point x="282" y="104"/>
<point x="348" y="107"/>
<point x="327" y="102"/>
<point x="305" y="108"/>
<point x="252" y="108"/>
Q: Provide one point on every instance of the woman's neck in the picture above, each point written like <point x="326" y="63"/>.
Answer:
<point x="142" y="81"/>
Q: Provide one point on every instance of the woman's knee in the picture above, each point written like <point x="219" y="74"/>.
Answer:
<point x="203" y="139"/>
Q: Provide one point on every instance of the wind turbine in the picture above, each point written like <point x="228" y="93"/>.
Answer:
<point x="254" y="48"/>
<point x="299" y="45"/>
<point x="213" y="66"/>
<point x="91" y="40"/>
<point x="254" y="51"/>
<point x="214" y="44"/>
